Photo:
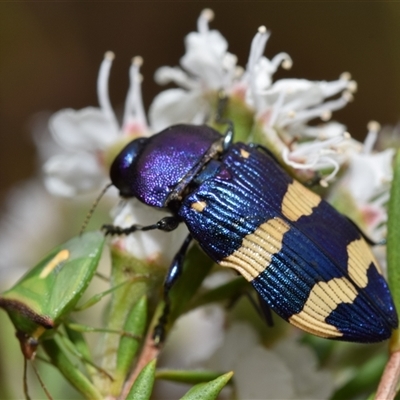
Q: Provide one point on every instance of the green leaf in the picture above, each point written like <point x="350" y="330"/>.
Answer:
<point x="143" y="386"/>
<point x="49" y="291"/>
<point x="77" y="379"/>
<point x="209" y="390"/>
<point x="128" y="346"/>
<point x="81" y="348"/>
<point x="185" y="376"/>
<point x="393" y="240"/>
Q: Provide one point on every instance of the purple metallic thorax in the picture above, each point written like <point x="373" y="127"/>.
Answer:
<point x="161" y="162"/>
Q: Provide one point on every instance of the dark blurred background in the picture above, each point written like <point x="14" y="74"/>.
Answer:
<point x="50" y="55"/>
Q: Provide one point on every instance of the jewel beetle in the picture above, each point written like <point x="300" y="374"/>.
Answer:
<point x="306" y="261"/>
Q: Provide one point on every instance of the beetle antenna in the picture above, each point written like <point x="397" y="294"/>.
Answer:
<point x="94" y="205"/>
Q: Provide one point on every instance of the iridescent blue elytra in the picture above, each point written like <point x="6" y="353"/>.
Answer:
<point x="305" y="260"/>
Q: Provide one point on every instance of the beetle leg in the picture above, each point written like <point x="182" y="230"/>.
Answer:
<point x="262" y="308"/>
<point x="228" y="139"/>
<point x="265" y="310"/>
<point x="174" y="272"/>
<point x="166" y="224"/>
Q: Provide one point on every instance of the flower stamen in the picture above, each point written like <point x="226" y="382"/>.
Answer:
<point x="102" y="85"/>
<point x="134" y="108"/>
<point x="206" y="16"/>
<point x="373" y="128"/>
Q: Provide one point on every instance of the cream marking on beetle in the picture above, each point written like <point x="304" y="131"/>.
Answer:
<point x="199" y="206"/>
<point x="298" y="201"/>
<point x="360" y="259"/>
<point x="244" y="153"/>
<point x="322" y="300"/>
<point x="255" y="253"/>
<point x="61" y="256"/>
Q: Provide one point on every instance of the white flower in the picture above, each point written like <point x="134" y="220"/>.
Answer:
<point x="207" y="67"/>
<point x="367" y="180"/>
<point x="259" y="69"/>
<point x="85" y="135"/>
<point x="284" y="108"/>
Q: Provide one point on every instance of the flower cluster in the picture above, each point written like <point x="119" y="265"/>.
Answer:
<point x="280" y="113"/>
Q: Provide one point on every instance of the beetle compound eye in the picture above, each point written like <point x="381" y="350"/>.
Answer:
<point x="123" y="166"/>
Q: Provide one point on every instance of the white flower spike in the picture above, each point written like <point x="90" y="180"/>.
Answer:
<point x="85" y="135"/>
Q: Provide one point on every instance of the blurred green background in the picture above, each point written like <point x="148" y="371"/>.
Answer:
<point x="50" y="53"/>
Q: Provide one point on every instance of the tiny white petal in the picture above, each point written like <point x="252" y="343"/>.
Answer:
<point x="86" y="129"/>
<point x="195" y="337"/>
<point x="165" y="75"/>
<point x="71" y="174"/>
<point x="205" y="56"/>
<point x="176" y="106"/>
<point x="368" y="172"/>
<point x="261" y="374"/>
<point x="309" y="381"/>
<point x="238" y="341"/>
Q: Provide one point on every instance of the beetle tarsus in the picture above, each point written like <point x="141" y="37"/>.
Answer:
<point x="166" y="224"/>
<point x="174" y="272"/>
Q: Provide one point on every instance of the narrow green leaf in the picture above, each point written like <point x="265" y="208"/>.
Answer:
<point x="393" y="236"/>
<point x="209" y="390"/>
<point x="79" y="341"/>
<point x="184" y="376"/>
<point x="77" y="379"/>
<point x="128" y="346"/>
<point x="98" y="296"/>
<point x="143" y="386"/>
<point x="75" y="342"/>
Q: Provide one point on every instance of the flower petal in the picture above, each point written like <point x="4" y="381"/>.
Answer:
<point x="368" y="174"/>
<point x="176" y="106"/>
<point x="87" y="129"/>
<point x="71" y="174"/>
<point x="309" y="381"/>
<point x="195" y="337"/>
